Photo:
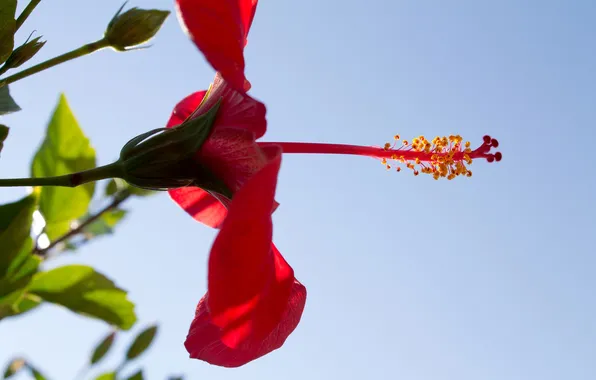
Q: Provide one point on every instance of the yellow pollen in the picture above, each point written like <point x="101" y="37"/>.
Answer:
<point x="441" y="157"/>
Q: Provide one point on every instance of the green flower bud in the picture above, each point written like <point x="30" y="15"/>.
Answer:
<point x="165" y="158"/>
<point x="23" y="53"/>
<point x="134" y="27"/>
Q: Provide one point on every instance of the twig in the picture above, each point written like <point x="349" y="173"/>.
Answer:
<point x="26" y="12"/>
<point x="118" y="199"/>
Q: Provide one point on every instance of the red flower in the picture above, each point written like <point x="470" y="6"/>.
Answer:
<point x="253" y="301"/>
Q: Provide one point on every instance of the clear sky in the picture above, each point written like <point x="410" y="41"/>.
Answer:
<point x="487" y="278"/>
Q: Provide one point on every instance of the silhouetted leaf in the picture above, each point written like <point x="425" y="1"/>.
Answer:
<point x="102" y="348"/>
<point x="83" y="290"/>
<point x="3" y="135"/>
<point x="7" y="103"/>
<point x="141" y="342"/>
<point x="65" y="150"/>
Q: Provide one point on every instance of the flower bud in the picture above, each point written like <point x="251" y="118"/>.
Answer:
<point x="166" y="158"/>
<point x="23" y="53"/>
<point x="134" y="27"/>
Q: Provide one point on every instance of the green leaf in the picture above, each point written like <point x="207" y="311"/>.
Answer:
<point x="136" y="376"/>
<point x="7" y="103"/>
<point x="65" y="150"/>
<point x="27" y="303"/>
<point x="113" y="186"/>
<point x="105" y="224"/>
<point x="36" y="374"/>
<point x="102" y="348"/>
<point x="83" y="290"/>
<point x="14" y="366"/>
<point x="107" y="376"/>
<point x="15" y="227"/>
<point x="13" y="299"/>
<point x="141" y="342"/>
<point x="8" y="28"/>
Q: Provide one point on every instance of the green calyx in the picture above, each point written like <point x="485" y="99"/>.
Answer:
<point x="165" y="158"/>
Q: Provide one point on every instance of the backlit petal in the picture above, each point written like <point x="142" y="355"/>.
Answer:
<point x="219" y="29"/>
<point x="204" y="340"/>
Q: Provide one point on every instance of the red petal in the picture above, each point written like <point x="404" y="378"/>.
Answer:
<point x="237" y="109"/>
<point x="204" y="340"/>
<point x="219" y="29"/>
<point x="185" y="108"/>
<point x="201" y="205"/>
<point x="248" y="285"/>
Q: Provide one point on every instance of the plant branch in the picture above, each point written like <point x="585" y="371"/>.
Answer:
<point x="118" y="199"/>
<point x="26" y="12"/>
<point x="83" y="50"/>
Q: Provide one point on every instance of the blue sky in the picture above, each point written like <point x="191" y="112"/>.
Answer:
<point x="486" y="278"/>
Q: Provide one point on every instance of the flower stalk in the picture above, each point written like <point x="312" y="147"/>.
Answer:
<point x="113" y="170"/>
<point x="76" y="53"/>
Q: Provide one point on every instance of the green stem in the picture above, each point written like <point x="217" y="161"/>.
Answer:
<point x="83" y="50"/>
<point x="26" y="12"/>
<point x="113" y="170"/>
